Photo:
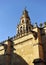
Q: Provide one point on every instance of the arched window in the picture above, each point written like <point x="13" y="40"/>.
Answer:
<point x="27" y="29"/>
<point x="22" y="21"/>
<point x="21" y="29"/>
<point x="27" y="21"/>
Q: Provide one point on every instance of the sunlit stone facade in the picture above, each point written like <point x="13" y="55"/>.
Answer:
<point x="28" y="47"/>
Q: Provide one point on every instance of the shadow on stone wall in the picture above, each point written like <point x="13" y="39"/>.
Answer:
<point x="18" y="60"/>
<point x="9" y="57"/>
<point x="15" y="60"/>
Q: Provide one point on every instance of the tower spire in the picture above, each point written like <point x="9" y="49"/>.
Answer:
<point x="25" y="25"/>
<point x="25" y="13"/>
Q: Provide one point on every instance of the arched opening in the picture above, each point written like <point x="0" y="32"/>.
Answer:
<point x="27" y="29"/>
<point x="22" y="21"/>
<point x="27" y="21"/>
<point x="21" y="29"/>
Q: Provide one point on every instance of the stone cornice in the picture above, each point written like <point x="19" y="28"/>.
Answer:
<point x="23" y="41"/>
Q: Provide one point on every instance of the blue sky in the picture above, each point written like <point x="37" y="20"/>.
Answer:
<point x="11" y="11"/>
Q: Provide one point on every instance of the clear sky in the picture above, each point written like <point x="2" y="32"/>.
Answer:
<point x="11" y="11"/>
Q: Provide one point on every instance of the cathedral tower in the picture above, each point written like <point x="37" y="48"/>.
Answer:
<point x="29" y="38"/>
<point x="28" y="47"/>
<point x="25" y="24"/>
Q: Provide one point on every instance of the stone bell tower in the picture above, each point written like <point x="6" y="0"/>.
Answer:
<point x="25" y="24"/>
<point x="28" y="47"/>
<point x="29" y="41"/>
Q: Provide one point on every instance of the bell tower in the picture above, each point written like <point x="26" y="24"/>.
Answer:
<point x="25" y="24"/>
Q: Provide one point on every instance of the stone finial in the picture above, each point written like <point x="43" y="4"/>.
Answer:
<point x="41" y="25"/>
<point x="35" y="25"/>
<point x="8" y="37"/>
<point x="25" y="10"/>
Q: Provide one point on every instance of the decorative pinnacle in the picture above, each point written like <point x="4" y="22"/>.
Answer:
<point x="36" y="25"/>
<point x="8" y="37"/>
